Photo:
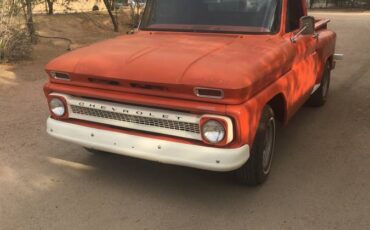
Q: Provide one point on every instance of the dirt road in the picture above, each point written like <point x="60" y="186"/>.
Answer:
<point x="320" y="177"/>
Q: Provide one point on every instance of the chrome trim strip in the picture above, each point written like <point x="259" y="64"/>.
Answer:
<point x="338" y="57"/>
<point x="315" y="88"/>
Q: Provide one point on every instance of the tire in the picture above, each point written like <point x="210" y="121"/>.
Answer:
<point x="94" y="151"/>
<point x="256" y="170"/>
<point x="320" y="97"/>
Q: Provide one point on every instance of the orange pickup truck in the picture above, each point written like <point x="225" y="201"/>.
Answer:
<point x="202" y="84"/>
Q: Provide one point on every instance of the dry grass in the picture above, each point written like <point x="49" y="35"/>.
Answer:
<point x="61" y="6"/>
<point x="15" y="42"/>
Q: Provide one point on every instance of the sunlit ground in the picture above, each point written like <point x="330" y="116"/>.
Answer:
<point x="70" y="164"/>
<point x="7" y="76"/>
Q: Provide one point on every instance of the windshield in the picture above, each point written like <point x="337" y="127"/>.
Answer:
<point x="246" y="16"/>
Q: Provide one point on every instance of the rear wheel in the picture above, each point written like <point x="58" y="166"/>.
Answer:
<point x="320" y="97"/>
<point x="258" y="167"/>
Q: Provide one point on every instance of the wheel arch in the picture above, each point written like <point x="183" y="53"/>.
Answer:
<point x="278" y="104"/>
<point x="253" y="112"/>
<point x="330" y="61"/>
<point x="322" y="65"/>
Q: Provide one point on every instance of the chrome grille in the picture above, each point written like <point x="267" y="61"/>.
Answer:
<point x="154" y="122"/>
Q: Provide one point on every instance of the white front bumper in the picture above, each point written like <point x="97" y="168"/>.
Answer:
<point x="201" y="157"/>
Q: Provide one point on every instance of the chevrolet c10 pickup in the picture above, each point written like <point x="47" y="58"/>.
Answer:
<point x="201" y="84"/>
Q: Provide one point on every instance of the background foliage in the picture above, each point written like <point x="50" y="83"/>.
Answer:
<point x="365" y="4"/>
<point x="15" y="36"/>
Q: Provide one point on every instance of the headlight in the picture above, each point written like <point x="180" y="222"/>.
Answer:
<point x="57" y="107"/>
<point x="213" y="131"/>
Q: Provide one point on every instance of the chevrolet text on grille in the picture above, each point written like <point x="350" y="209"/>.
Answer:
<point x="131" y="112"/>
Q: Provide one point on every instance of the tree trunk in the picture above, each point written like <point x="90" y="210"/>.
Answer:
<point x="29" y="21"/>
<point x="50" y="6"/>
<point x="311" y="3"/>
<point x="114" y="20"/>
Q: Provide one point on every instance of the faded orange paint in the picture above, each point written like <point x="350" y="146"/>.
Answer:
<point x="250" y="69"/>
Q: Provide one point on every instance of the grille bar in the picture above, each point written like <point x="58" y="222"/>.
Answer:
<point x="167" y="124"/>
<point x="161" y="121"/>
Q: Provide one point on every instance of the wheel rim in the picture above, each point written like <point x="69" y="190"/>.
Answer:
<point x="269" y="146"/>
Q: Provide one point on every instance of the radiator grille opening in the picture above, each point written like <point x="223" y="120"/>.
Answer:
<point x="153" y="122"/>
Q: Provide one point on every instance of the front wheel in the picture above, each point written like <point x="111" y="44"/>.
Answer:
<point x="258" y="167"/>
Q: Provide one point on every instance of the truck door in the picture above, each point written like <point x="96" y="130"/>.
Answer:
<point x="304" y="67"/>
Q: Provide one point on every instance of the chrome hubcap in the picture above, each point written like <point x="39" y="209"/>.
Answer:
<point x="268" y="150"/>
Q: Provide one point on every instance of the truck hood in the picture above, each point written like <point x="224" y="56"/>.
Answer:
<point x="158" y="62"/>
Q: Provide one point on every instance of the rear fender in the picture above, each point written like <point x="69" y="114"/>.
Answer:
<point x="325" y="50"/>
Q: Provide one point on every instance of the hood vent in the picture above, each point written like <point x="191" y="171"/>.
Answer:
<point x="209" y="93"/>
<point x="60" y="76"/>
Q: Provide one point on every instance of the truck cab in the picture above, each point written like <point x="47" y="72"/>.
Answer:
<point x="201" y="84"/>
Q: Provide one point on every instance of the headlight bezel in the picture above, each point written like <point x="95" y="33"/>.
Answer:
<point x="224" y="122"/>
<point x="62" y="103"/>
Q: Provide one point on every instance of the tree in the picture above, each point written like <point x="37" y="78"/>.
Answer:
<point x="310" y="3"/>
<point x="109" y="5"/>
<point x="27" y="8"/>
<point x="136" y="10"/>
<point x="50" y="7"/>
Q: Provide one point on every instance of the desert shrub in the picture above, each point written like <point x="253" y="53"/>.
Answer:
<point x="15" y="42"/>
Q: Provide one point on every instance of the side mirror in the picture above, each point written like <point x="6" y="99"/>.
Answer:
<point x="307" y="27"/>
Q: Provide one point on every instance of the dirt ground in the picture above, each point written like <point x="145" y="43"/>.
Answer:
<point x="60" y="6"/>
<point x="320" y="177"/>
